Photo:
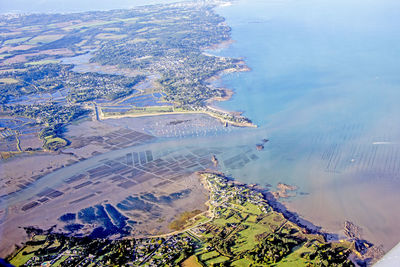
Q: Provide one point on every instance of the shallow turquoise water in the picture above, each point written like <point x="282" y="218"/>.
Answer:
<point x="311" y="53"/>
<point x="324" y="87"/>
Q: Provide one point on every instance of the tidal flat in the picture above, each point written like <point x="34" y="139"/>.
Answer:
<point x="104" y="159"/>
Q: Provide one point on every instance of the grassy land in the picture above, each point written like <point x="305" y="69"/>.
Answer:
<point x="241" y="263"/>
<point x="192" y="261"/>
<point x="247" y="238"/>
<point x="295" y="258"/>
<point x="8" y="154"/>
<point x="208" y="255"/>
<point x="53" y="143"/>
<point x="26" y="252"/>
<point x="183" y="219"/>
<point x="216" y="260"/>
<point x="241" y="229"/>
<point x="61" y="260"/>
<point x="21" y="259"/>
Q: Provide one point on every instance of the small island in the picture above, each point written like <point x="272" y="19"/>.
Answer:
<point x="259" y="147"/>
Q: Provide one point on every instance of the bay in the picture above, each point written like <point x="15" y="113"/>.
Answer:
<point x="324" y="88"/>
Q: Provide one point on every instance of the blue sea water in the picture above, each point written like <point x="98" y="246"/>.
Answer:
<point x="324" y="88"/>
<point x="314" y="52"/>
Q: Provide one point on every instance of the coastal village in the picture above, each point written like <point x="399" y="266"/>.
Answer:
<point x="240" y="228"/>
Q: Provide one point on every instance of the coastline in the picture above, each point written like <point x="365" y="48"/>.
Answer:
<point x="363" y="251"/>
<point x="238" y="124"/>
<point x="227" y="94"/>
<point x="239" y="220"/>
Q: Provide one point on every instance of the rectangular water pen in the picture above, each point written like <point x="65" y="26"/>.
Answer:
<point x="135" y="158"/>
<point x="142" y="157"/>
<point x="30" y="205"/>
<point x="82" y="185"/>
<point x="82" y="199"/>
<point x="149" y="155"/>
<point x="75" y="178"/>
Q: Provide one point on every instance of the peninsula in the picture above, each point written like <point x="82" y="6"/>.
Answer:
<point x="242" y="227"/>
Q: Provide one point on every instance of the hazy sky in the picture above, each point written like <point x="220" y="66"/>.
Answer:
<point x="64" y="6"/>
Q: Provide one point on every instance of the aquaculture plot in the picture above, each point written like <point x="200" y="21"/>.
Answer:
<point x="9" y="143"/>
<point x="239" y="160"/>
<point x="22" y="125"/>
<point x="126" y="173"/>
<point x="115" y="140"/>
<point x="179" y="127"/>
<point x="11" y="130"/>
<point x="109" y="198"/>
<point x="350" y="151"/>
<point x="379" y="160"/>
<point x="44" y="196"/>
<point x="124" y="138"/>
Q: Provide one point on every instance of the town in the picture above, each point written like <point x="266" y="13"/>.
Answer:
<point x="121" y="50"/>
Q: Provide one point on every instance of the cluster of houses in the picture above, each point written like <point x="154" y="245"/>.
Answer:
<point x="225" y="193"/>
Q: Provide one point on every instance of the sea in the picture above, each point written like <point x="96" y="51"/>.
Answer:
<point x="324" y="90"/>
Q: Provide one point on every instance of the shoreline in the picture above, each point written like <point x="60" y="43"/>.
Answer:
<point x="274" y="202"/>
<point x="362" y="250"/>
<point x="210" y="103"/>
<point x="244" y="213"/>
<point x="238" y="124"/>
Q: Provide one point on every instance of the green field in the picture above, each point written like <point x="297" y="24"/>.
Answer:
<point x="208" y="255"/>
<point x="241" y="263"/>
<point x="54" y="143"/>
<point x="247" y="238"/>
<point x="217" y="260"/>
<point x="192" y="261"/>
<point x="26" y="252"/>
